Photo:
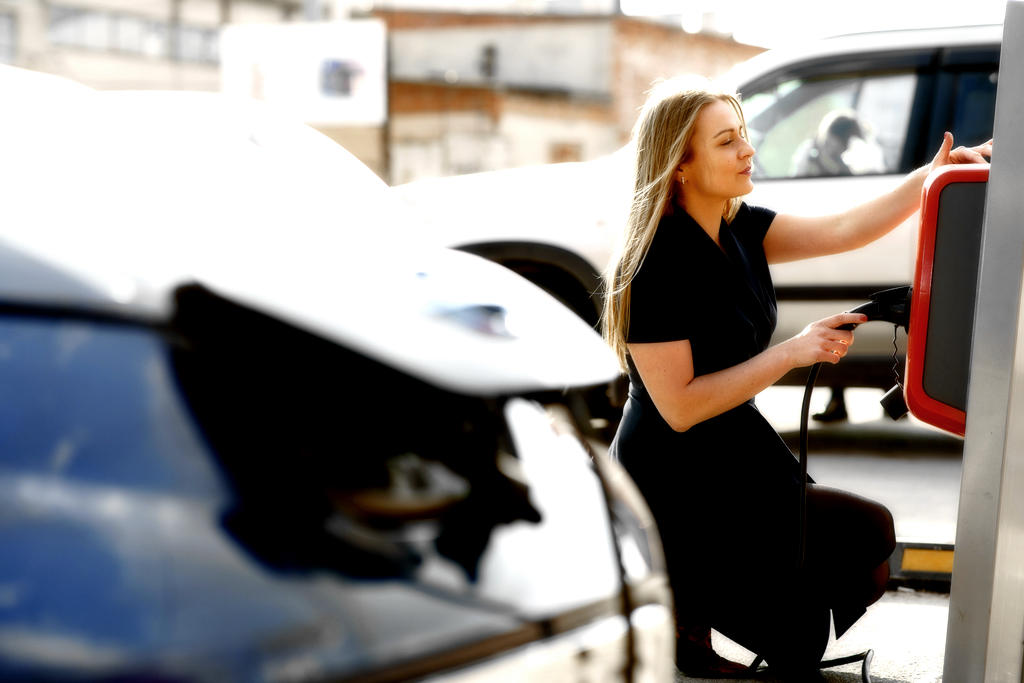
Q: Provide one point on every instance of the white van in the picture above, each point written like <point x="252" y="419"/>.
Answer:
<point x="889" y="94"/>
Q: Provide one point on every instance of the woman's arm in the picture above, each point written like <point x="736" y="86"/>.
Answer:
<point x="684" y="400"/>
<point x="797" y="237"/>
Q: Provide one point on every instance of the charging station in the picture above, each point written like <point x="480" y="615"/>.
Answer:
<point x="985" y="626"/>
<point x="944" y="290"/>
<point x="965" y="375"/>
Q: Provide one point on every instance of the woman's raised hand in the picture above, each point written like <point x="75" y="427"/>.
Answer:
<point x="961" y="155"/>
<point x="821" y="342"/>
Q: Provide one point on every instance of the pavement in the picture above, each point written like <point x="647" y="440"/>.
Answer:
<point x="914" y="470"/>
<point x="906" y="630"/>
<point x="868" y="428"/>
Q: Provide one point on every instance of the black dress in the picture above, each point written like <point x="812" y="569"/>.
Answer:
<point x="725" y="493"/>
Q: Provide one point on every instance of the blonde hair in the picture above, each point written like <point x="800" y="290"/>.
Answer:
<point x="661" y="138"/>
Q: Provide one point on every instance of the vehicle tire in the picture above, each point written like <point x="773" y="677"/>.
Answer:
<point x="597" y="409"/>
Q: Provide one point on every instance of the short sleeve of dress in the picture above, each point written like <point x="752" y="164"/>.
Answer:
<point x="658" y="309"/>
<point x="755" y="220"/>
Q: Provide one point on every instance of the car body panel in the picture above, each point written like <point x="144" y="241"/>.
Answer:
<point x="586" y="201"/>
<point x="159" y="586"/>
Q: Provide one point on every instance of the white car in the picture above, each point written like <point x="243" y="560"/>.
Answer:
<point x="238" y="441"/>
<point x="557" y="224"/>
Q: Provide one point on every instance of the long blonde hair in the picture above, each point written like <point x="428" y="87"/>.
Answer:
<point x="661" y="138"/>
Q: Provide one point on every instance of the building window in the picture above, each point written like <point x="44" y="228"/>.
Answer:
<point x="8" y="38"/>
<point x="198" y="44"/>
<point x="140" y="36"/>
<point x="66" y="25"/>
<point x="130" y="34"/>
<point x="337" y="76"/>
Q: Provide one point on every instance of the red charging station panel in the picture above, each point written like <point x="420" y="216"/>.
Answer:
<point x="945" y="287"/>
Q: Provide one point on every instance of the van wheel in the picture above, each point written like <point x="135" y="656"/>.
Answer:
<point x="596" y="410"/>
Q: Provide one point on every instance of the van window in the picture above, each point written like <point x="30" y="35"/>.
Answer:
<point x="975" y="107"/>
<point x="835" y="126"/>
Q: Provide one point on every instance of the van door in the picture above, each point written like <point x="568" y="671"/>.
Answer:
<point x="831" y="133"/>
<point x="829" y="136"/>
<point x="965" y="97"/>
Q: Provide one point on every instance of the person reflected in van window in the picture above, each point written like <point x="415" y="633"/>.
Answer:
<point x="689" y="310"/>
<point x="823" y="154"/>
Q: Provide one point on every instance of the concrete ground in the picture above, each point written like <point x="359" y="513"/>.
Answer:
<point x="906" y="630"/>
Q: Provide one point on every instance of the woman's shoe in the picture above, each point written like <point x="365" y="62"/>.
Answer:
<point x="696" y="657"/>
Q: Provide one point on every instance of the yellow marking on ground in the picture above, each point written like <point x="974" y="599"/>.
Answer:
<point x="927" y="560"/>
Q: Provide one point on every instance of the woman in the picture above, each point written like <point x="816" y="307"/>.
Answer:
<point x="690" y="311"/>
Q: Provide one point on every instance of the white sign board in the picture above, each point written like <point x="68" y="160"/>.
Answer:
<point x="322" y="73"/>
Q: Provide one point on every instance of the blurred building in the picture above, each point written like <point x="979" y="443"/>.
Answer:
<point x="530" y="82"/>
<point x="160" y="44"/>
<point x="332" y="75"/>
<point x="474" y="92"/>
<point x="129" y="43"/>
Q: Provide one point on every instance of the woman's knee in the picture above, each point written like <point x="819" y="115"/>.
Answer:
<point x="879" y="519"/>
<point x="879" y="583"/>
<point x="888" y="527"/>
<point x="851" y="522"/>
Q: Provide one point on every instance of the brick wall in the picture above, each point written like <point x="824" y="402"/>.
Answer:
<point x="409" y="19"/>
<point x="531" y="125"/>
<point x="416" y="98"/>
<point x="646" y="51"/>
<point x="436" y="128"/>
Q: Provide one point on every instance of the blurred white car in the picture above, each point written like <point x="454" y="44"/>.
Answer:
<point x="557" y="224"/>
<point x="239" y="440"/>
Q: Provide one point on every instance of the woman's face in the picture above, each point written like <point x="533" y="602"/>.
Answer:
<point x="720" y="158"/>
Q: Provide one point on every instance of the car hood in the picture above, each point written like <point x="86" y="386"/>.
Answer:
<point x="580" y="206"/>
<point x="450" y="318"/>
<point x="138" y="194"/>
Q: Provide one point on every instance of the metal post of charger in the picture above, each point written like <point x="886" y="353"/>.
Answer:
<point x="986" y="612"/>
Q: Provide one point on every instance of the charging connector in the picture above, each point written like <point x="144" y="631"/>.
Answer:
<point x="890" y="305"/>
